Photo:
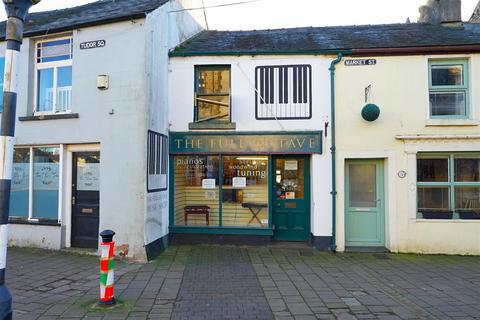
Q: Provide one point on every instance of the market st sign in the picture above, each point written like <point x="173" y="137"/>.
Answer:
<point x="248" y="142"/>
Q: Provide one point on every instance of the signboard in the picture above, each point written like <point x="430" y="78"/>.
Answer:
<point x="239" y="182"/>
<point x="248" y="142"/>
<point x="360" y="62"/>
<point x="291" y="165"/>
<point x="208" y="184"/>
<point x="92" y="44"/>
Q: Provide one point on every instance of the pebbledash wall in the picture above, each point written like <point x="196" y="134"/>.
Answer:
<point x="243" y="95"/>
<point x="399" y="85"/>
<point x="114" y="122"/>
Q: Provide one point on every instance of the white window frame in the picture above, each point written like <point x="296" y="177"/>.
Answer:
<point x="31" y="182"/>
<point x="47" y="65"/>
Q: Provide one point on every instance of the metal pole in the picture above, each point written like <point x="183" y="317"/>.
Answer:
<point x="17" y="11"/>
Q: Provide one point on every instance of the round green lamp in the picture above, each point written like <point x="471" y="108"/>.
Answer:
<point x="370" y="112"/>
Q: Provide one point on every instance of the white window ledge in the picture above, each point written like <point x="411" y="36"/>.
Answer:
<point x="445" y="220"/>
<point x="439" y="137"/>
<point x="452" y="122"/>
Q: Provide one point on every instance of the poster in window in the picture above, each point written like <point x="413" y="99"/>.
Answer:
<point x="88" y="177"/>
<point x="291" y="165"/>
<point x="239" y="182"/>
<point x="45" y="176"/>
<point x="20" y="176"/>
<point x="208" y="184"/>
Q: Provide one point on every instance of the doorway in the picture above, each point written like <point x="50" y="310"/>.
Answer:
<point x="364" y="204"/>
<point x="291" y="198"/>
<point x="85" y="199"/>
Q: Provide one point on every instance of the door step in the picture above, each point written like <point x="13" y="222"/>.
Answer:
<point x="366" y="249"/>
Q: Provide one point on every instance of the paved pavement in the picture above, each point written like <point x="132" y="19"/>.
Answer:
<point x="215" y="282"/>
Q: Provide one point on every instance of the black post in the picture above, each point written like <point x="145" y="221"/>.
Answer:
<point x="17" y="11"/>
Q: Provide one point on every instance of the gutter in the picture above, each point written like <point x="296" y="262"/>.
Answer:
<point x="333" y="246"/>
<point x="471" y="48"/>
<point x="255" y="52"/>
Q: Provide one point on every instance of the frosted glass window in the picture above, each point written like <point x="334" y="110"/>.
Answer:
<point x="45" y="182"/>
<point x="20" y="183"/>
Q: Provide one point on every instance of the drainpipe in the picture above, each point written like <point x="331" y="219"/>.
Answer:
<point x="16" y="11"/>
<point x="333" y="246"/>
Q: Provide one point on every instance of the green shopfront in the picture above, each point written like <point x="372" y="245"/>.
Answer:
<point x="241" y="184"/>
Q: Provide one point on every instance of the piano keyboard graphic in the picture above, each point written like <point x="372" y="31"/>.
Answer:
<point x="283" y="92"/>
<point x="157" y="161"/>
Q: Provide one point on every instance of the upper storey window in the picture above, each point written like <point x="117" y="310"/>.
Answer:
<point x="54" y="75"/>
<point x="212" y="94"/>
<point x="448" y="89"/>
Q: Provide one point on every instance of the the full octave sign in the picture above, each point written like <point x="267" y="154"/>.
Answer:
<point x="248" y="142"/>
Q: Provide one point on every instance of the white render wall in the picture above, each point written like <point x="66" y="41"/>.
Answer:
<point x="119" y="136"/>
<point x="181" y="25"/>
<point x="242" y="82"/>
<point x="400" y="88"/>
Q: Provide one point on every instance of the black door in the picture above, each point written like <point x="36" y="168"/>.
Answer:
<point x="85" y="199"/>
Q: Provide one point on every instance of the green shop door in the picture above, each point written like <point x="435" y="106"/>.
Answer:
<point x="364" y="206"/>
<point x="291" y="198"/>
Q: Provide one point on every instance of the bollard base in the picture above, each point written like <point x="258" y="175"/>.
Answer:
<point x="107" y="303"/>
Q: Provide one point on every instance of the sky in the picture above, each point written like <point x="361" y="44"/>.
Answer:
<point x="272" y="14"/>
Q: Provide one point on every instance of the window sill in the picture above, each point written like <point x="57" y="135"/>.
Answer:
<point x="211" y="126"/>
<point x="49" y="117"/>
<point x="37" y="222"/>
<point x="452" y="122"/>
<point x="421" y="220"/>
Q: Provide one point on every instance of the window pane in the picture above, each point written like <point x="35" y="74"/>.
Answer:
<point x="289" y="179"/>
<point x="467" y="198"/>
<point x="363" y="186"/>
<point x="20" y="183"/>
<point x="433" y="198"/>
<point x="447" y="103"/>
<point x="45" y="182"/>
<point x="64" y="89"/>
<point x="432" y="170"/>
<point x="214" y="81"/>
<point x="467" y="169"/>
<point x="444" y="75"/>
<point x="56" y="50"/>
<point x="213" y="108"/>
<point x="45" y="90"/>
<point x="196" y="190"/>
<point x="245" y="191"/>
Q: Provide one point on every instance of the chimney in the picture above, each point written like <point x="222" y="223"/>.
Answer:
<point x="446" y="12"/>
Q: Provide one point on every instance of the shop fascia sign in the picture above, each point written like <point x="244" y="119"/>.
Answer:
<point x="251" y="142"/>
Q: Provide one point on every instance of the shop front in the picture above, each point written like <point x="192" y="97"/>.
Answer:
<point x="242" y="184"/>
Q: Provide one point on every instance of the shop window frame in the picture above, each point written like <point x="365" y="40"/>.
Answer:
<point x="450" y="88"/>
<point x="450" y="183"/>
<point x="30" y="219"/>
<point x="220" y="229"/>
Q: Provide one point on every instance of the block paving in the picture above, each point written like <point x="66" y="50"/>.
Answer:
<point x="228" y="282"/>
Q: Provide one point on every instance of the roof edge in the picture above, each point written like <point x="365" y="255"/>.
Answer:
<point x="470" y="48"/>
<point x="84" y="25"/>
<point x="258" y="53"/>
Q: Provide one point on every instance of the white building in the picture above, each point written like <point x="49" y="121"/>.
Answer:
<point x="91" y="133"/>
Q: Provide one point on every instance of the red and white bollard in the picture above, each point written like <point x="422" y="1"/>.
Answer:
<point x="106" y="268"/>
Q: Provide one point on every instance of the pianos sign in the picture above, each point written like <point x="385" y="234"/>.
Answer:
<point x="360" y="62"/>
<point x="247" y="142"/>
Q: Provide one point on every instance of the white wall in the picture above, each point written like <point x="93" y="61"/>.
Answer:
<point x="242" y="81"/>
<point x="165" y="30"/>
<point x="116" y="119"/>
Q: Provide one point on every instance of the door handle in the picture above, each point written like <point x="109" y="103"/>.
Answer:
<point x="73" y="200"/>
